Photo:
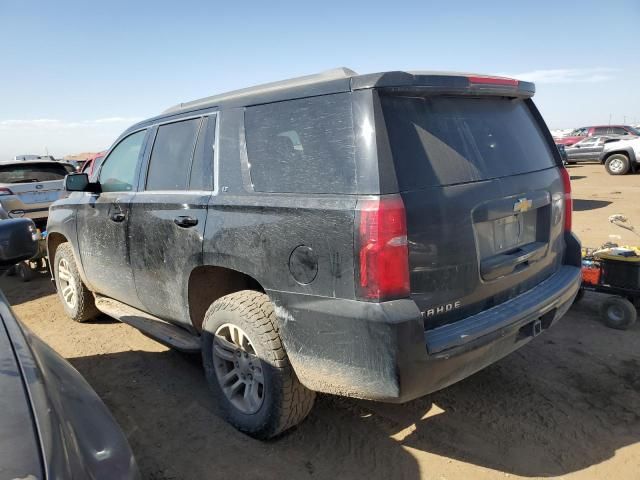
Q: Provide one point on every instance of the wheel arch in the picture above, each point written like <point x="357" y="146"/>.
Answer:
<point x="54" y="240"/>
<point x="208" y="283"/>
<point x="628" y="152"/>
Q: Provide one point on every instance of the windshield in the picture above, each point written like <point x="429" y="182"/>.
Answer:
<point x="32" y="172"/>
<point x="451" y="140"/>
<point x="634" y="131"/>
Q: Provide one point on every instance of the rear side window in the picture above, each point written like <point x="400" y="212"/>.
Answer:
<point x="171" y="156"/>
<point x="32" y="172"/>
<point x="450" y="140"/>
<point x="303" y="146"/>
<point x="202" y="168"/>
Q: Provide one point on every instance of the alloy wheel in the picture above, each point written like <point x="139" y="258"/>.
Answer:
<point x="238" y="368"/>
<point x="67" y="284"/>
<point x="616" y="165"/>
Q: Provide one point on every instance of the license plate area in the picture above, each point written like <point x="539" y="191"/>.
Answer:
<point x="39" y="197"/>
<point x="513" y="231"/>
<point x="505" y="234"/>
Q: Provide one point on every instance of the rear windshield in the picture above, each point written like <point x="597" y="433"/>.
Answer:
<point x="32" y="172"/>
<point x="449" y="140"/>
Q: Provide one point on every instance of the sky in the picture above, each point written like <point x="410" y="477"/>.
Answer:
<point x="75" y="74"/>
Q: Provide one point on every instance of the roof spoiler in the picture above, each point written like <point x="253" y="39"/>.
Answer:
<point x="449" y="82"/>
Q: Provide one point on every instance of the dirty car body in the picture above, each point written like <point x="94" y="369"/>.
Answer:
<point x="408" y="228"/>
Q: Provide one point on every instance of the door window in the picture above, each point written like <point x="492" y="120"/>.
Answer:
<point x="118" y="172"/>
<point x="202" y="167"/>
<point x="302" y="146"/>
<point x="600" y="131"/>
<point x="171" y="156"/>
<point x="618" y="131"/>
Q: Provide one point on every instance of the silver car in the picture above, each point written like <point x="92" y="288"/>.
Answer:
<point x="27" y="188"/>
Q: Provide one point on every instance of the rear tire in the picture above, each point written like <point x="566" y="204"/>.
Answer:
<point x="618" y="313"/>
<point x="77" y="301"/>
<point x="253" y="383"/>
<point x="617" y="164"/>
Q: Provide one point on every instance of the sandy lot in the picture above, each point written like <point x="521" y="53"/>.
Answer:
<point x="567" y="405"/>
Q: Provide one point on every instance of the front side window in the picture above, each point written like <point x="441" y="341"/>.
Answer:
<point x="118" y="172"/>
<point x="587" y="141"/>
<point x="600" y="131"/>
<point x="172" y="154"/>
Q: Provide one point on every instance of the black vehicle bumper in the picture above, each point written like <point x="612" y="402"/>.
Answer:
<point x="380" y="351"/>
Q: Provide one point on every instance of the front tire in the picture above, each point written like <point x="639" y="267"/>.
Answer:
<point x="253" y="383"/>
<point x="617" y="164"/>
<point x="77" y="301"/>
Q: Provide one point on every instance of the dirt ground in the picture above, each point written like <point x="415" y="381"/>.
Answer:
<point x="567" y="405"/>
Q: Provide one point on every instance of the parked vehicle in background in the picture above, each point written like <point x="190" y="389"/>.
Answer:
<point x="23" y="158"/>
<point x="378" y="236"/>
<point x="53" y="425"/>
<point x="563" y="154"/>
<point x="27" y="188"/>
<point x="588" y="149"/>
<point x="621" y="157"/>
<point x="92" y="161"/>
<point x="600" y="130"/>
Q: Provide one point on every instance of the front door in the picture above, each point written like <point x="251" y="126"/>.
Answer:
<point x="103" y="222"/>
<point x="168" y="216"/>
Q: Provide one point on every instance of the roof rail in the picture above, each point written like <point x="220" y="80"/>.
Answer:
<point x="333" y="74"/>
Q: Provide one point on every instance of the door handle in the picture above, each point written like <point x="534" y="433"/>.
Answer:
<point x="117" y="216"/>
<point x="185" y="222"/>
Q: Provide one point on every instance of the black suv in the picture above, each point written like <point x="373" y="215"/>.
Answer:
<point x="378" y="236"/>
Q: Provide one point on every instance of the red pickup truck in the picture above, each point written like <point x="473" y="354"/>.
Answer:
<point x="580" y="133"/>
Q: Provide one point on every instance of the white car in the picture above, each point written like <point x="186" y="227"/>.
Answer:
<point x="27" y="188"/>
<point x="621" y="157"/>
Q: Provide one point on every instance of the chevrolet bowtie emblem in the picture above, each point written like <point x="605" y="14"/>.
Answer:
<point x="522" y="205"/>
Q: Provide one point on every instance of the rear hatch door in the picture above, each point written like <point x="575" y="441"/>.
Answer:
<point x="483" y="196"/>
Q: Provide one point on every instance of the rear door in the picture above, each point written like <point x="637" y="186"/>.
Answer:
<point x="169" y="214"/>
<point x="483" y="199"/>
<point x="587" y="149"/>
<point x="103" y="222"/>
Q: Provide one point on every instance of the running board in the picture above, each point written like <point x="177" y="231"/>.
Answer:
<point x="159" y="330"/>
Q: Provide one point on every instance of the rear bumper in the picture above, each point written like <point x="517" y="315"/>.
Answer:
<point x="382" y="352"/>
<point x="15" y="208"/>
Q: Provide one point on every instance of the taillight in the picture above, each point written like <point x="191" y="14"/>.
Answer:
<point x="478" y="79"/>
<point x="568" y="202"/>
<point x="383" y="269"/>
<point x="5" y="191"/>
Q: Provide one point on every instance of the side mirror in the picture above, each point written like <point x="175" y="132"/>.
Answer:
<point x="18" y="241"/>
<point x="79" y="182"/>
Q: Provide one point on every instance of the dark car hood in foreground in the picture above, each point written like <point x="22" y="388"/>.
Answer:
<point x="56" y="426"/>
<point x="19" y="444"/>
